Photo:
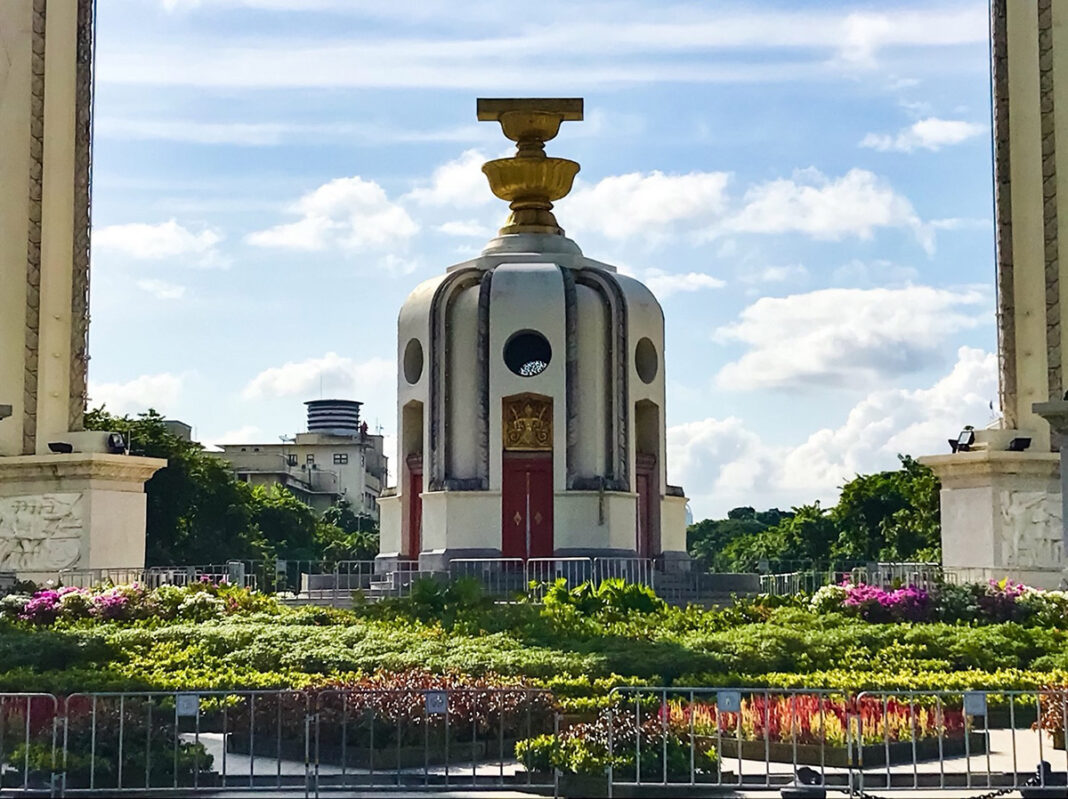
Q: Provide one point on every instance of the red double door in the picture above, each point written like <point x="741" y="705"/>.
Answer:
<point x="527" y="506"/>
<point x="414" y="543"/>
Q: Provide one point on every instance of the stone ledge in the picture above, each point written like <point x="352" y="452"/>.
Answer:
<point x="26" y="470"/>
<point x="960" y="466"/>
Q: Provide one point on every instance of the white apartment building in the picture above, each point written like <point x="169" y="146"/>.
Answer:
<point x="335" y="458"/>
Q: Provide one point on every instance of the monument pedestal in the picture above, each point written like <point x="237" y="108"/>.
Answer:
<point x="72" y="511"/>
<point x="1001" y="516"/>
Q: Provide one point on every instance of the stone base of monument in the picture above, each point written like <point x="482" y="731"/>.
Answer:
<point x="72" y="511"/>
<point x="1001" y="516"/>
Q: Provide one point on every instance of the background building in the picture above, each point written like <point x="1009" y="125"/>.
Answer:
<point x="335" y="458"/>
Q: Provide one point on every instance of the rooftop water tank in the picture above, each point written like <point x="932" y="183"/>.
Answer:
<point x="334" y="416"/>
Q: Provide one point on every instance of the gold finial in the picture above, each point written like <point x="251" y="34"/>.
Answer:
<point x="530" y="180"/>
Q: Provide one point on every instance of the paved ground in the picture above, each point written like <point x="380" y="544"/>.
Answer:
<point x="1010" y="752"/>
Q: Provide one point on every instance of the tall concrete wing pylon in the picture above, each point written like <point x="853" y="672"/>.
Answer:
<point x="83" y="507"/>
<point x="1001" y="502"/>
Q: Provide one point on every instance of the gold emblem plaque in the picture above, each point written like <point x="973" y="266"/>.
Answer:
<point x="528" y="423"/>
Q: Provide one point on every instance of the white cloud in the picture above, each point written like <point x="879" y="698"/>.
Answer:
<point x="811" y="203"/>
<point x="879" y="273"/>
<point x="931" y="133"/>
<point x="722" y="464"/>
<point x="469" y="227"/>
<point x="271" y="134"/>
<point x="456" y="183"/>
<point x="645" y="203"/>
<point x="332" y="373"/>
<point x="350" y="213"/>
<point x="777" y="274"/>
<point x="846" y="337"/>
<point x="665" y="284"/>
<point x="161" y="289"/>
<point x="963" y="223"/>
<point x="159" y="391"/>
<point x="634" y="44"/>
<point x="164" y="240"/>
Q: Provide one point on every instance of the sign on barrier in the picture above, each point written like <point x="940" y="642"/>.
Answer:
<point x="187" y="705"/>
<point x="437" y="703"/>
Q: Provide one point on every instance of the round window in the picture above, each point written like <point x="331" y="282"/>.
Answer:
<point x="645" y="360"/>
<point x="527" y="353"/>
<point x="413" y="361"/>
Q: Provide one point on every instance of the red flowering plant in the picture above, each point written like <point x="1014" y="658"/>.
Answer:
<point x="818" y="719"/>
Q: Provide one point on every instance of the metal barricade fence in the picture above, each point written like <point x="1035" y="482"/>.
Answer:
<point x="630" y="570"/>
<point x="545" y="571"/>
<point x="501" y="578"/>
<point x="132" y="742"/>
<point x="456" y="737"/>
<point x="184" y="743"/>
<point x="91" y="578"/>
<point x="886" y="741"/>
<point x="432" y="737"/>
<point x="337" y="584"/>
<point x="890" y="575"/>
<point x="28" y="737"/>
<point x="986" y="740"/>
<point x="725" y="737"/>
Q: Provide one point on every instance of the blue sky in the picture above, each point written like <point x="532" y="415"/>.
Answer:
<point x="806" y="186"/>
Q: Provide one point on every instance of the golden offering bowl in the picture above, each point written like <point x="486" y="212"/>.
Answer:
<point x="544" y="179"/>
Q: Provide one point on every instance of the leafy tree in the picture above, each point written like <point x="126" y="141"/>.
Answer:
<point x="199" y="512"/>
<point x="346" y="535"/>
<point x="723" y="544"/>
<point x="892" y="515"/>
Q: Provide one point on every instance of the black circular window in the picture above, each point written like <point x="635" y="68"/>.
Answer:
<point x="645" y="360"/>
<point x="413" y="361"/>
<point x="527" y="353"/>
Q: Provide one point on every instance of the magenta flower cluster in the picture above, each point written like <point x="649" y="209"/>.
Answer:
<point x="44" y="607"/>
<point x="872" y="603"/>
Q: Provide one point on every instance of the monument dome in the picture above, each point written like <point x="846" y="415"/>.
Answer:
<point x="530" y="389"/>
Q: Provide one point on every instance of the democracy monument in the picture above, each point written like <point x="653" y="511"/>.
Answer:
<point x="530" y="389"/>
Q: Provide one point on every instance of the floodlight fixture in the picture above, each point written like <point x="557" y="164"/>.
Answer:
<point x="1019" y="444"/>
<point x="965" y="439"/>
<point x="60" y="447"/>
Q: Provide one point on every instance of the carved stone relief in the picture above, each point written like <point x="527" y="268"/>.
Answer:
<point x="1031" y="529"/>
<point x="42" y="532"/>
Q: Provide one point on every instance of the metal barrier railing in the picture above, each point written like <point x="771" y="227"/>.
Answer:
<point x="345" y="739"/>
<point x="630" y="570"/>
<point x="29" y="724"/>
<point x="766" y="739"/>
<point x="184" y="743"/>
<point x="981" y="740"/>
<point x="884" y="575"/>
<point x="500" y="577"/>
<point x="459" y="737"/>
